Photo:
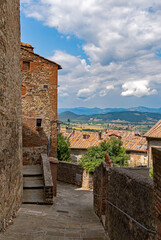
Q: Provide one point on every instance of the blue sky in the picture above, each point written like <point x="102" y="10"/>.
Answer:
<point x="110" y="51"/>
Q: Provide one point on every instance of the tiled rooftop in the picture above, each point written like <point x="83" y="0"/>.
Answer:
<point x="84" y="140"/>
<point x="155" y="131"/>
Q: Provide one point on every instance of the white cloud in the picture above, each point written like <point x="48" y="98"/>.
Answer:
<point x="121" y="39"/>
<point x="106" y="90"/>
<point x="137" y="88"/>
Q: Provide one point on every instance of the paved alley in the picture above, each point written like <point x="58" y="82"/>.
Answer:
<point x="70" y="217"/>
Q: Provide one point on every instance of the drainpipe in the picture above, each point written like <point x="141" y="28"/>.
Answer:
<point x="49" y="141"/>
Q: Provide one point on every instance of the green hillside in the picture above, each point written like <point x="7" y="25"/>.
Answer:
<point x="129" y="116"/>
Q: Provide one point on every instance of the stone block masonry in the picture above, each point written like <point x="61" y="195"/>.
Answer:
<point x="39" y="105"/>
<point x="10" y="112"/>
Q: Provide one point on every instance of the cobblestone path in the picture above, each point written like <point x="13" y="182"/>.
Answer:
<point x="70" y="217"/>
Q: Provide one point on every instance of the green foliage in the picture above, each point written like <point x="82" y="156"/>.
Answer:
<point x="151" y="173"/>
<point x="63" y="148"/>
<point x="95" y="155"/>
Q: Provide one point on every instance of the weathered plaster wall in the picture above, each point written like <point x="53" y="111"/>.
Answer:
<point x="130" y="192"/>
<point x="39" y="101"/>
<point x="76" y="154"/>
<point x="136" y="159"/>
<point x="10" y="112"/>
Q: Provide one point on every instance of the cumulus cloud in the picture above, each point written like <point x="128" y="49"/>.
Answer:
<point x="137" y="88"/>
<point x="121" y="40"/>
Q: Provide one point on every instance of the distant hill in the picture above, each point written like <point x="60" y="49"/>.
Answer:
<point x="129" y="116"/>
<point x="92" y="111"/>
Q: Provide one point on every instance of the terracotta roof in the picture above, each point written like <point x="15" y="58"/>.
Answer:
<point x="131" y="142"/>
<point x="24" y="45"/>
<point x="155" y="131"/>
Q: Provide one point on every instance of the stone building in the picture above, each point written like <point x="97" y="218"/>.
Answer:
<point x="39" y="105"/>
<point x="153" y="137"/>
<point x="10" y="112"/>
<point x="134" y="143"/>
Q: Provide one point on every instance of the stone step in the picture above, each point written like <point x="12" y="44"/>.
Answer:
<point x="32" y="170"/>
<point x="33" y="182"/>
<point x="33" y="196"/>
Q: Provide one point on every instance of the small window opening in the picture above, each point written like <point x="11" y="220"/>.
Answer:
<point x="26" y="65"/>
<point x="45" y="86"/>
<point x="86" y="136"/>
<point x="38" y="122"/>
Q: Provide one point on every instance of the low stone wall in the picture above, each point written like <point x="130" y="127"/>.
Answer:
<point x="74" y="174"/>
<point x="123" y="196"/>
<point x="139" y="170"/>
<point x="48" y="181"/>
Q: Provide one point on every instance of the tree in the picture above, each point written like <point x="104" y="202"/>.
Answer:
<point x="95" y="155"/>
<point x="63" y="148"/>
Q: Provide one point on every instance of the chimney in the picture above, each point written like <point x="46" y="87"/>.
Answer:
<point x="27" y="46"/>
<point x="136" y="132"/>
<point x="69" y="129"/>
<point x="100" y="135"/>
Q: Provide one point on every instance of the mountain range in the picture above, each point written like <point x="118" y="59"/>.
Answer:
<point x="92" y="111"/>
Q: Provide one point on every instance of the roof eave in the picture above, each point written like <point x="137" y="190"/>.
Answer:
<point x="59" y="66"/>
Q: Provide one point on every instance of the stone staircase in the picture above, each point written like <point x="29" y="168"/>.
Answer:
<point x="38" y="183"/>
<point x="33" y="185"/>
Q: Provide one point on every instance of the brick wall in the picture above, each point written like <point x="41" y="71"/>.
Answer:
<point x="39" y="101"/>
<point x="74" y="174"/>
<point x="130" y="192"/>
<point x="10" y="112"/>
<point x="157" y="188"/>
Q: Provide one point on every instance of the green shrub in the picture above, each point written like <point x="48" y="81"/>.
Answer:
<point x="95" y="155"/>
<point x="63" y="148"/>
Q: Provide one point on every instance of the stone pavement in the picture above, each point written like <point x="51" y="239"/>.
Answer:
<point x="70" y="217"/>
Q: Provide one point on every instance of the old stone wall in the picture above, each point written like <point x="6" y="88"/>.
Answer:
<point x="126" y="193"/>
<point x="10" y="112"/>
<point x="70" y="173"/>
<point x="74" y="174"/>
<point x="39" y="103"/>
<point x="157" y="188"/>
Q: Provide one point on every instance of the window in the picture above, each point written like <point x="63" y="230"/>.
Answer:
<point x="38" y="122"/>
<point x="26" y="65"/>
<point x="45" y="86"/>
<point x="86" y="136"/>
